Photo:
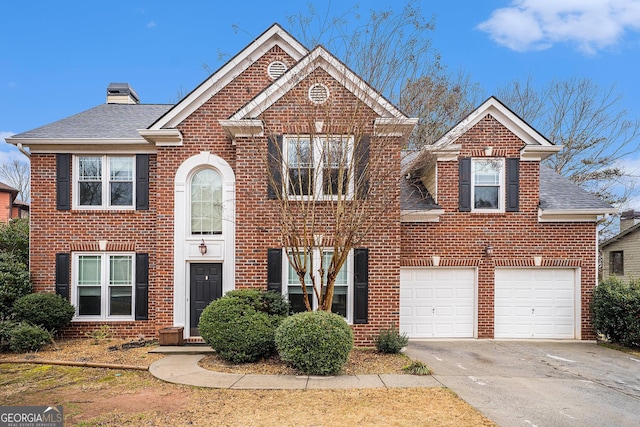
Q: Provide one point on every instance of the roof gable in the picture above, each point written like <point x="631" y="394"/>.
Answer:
<point x="621" y="236"/>
<point x="319" y="57"/>
<point x="273" y="36"/>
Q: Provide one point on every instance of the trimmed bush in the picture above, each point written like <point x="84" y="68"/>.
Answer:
<point x="14" y="283"/>
<point x="26" y="337"/>
<point x="270" y="302"/>
<point x="616" y="311"/>
<point x="240" y="327"/>
<point x="315" y="343"/>
<point x="390" y="341"/>
<point x="6" y="329"/>
<point x="48" y="310"/>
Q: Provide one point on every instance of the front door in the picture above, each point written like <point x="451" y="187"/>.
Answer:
<point x="205" y="286"/>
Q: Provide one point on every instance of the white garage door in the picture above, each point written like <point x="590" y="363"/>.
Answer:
<point x="535" y="303"/>
<point x="437" y="302"/>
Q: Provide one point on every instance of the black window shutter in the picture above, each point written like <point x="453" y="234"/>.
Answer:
<point x="142" y="286"/>
<point x="63" y="182"/>
<point x="513" y="185"/>
<point x="361" y="153"/>
<point x="360" y="286"/>
<point x="63" y="266"/>
<point x="274" y="269"/>
<point x="274" y="164"/>
<point x="142" y="182"/>
<point x="464" y="185"/>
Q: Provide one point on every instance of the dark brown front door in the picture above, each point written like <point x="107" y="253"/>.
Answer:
<point x="206" y="286"/>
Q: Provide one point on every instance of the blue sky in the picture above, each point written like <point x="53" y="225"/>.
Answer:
<point x="57" y="58"/>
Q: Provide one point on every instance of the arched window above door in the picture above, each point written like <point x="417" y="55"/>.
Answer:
<point x="206" y="202"/>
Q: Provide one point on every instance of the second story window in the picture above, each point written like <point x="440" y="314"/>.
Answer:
<point x="104" y="182"/>
<point x="487" y="184"/>
<point x="319" y="166"/>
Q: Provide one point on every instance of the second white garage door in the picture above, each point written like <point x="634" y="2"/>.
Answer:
<point x="535" y="303"/>
<point x="437" y="302"/>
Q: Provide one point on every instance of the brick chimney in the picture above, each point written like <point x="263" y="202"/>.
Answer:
<point x="121" y="93"/>
<point x="629" y="219"/>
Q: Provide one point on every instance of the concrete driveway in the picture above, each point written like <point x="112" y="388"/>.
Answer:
<point x="532" y="383"/>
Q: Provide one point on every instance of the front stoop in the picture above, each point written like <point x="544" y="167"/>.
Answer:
<point x="183" y="349"/>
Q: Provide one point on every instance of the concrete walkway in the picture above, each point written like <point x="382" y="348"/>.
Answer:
<point x="180" y="366"/>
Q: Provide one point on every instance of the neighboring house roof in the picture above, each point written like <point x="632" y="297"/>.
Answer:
<point x="106" y="121"/>
<point x="621" y="235"/>
<point x="7" y="188"/>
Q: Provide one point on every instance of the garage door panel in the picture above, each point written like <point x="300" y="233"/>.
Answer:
<point x="535" y="303"/>
<point x="437" y="302"/>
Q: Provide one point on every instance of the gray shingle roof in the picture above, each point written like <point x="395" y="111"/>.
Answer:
<point x="103" y="121"/>
<point x="558" y="193"/>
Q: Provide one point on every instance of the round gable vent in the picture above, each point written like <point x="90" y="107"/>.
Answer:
<point x="318" y="93"/>
<point x="276" y="69"/>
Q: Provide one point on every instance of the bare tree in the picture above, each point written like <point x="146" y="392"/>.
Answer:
<point x="588" y="120"/>
<point x="16" y="174"/>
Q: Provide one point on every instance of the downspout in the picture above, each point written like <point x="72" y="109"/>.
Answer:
<point x="22" y="150"/>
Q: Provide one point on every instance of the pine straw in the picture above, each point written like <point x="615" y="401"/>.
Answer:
<point x="362" y="361"/>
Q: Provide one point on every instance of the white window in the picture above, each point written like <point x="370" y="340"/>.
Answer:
<point x="319" y="167"/>
<point x="342" y="296"/>
<point x="487" y="190"/>
<point x="103" y="285"/>
<point x="206" y="202"/>
<point x="103" y="182"/>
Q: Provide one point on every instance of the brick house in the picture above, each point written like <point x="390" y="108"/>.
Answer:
<point x="476" y="240"/>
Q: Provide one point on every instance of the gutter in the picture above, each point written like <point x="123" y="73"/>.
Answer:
<point x="22" y="150"/>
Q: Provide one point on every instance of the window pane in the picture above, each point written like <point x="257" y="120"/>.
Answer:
<point x="90" y="168"/>
<point x="121" y="169"/>
<point x="90" y="193"/>
<point x="486" y="197"/>
<point x="341" y="278"/>
<point x="301" y="182"/>
<point x="121" y="193"/>
<point x="487" y="172"/>
<point x="120" y="301"/>
<point x="206" y="202"/>
<point x="120" y="270"/>
<point x="89" y="270"/>
<point x="335" y="181"/>
<point x="616" y="263"/>
<point x="301" y="167"/>
<point x="339" y="304"/>
<point x="89" y="301"/>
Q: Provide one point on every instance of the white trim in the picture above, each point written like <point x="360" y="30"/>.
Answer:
<point x="105" y="181"/>
<point x="162" y="137"/>
<point x="274" y="36"/>
<point x="393" y="127"/>
<point x="316" y="262"/>
<point x="573" y="215"/>
<point x="503" y="115"/>
<point x="537" y="153"/>
<point x="221" y="247"/>
<point x="501" y="189"/>
<point x="432" y="215"/>
<point x="104" y="286"/>
<point x="242" y="128"/>
<point x="318" y="58"/>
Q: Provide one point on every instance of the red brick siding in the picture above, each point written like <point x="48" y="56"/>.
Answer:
<point x="461" y="237"/>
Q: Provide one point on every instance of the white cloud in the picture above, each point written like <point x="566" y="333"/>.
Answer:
<point x="591" y="25"/>
<point x="151" y="24"/>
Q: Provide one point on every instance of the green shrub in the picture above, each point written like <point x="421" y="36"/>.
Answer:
<point x="417" y="368"/>
<point x="26" y="337"/>
<point x="270" y="302"/>
<point x="390" y="340"/>
<point x="315" y="343"/>
<point x="48" y="310"/>
<point x="14" y="283"/>
<point x="236" y="329"/>
<point x="6" y="330"/>
<point x="14" y="239"/>
<point x="616" y="311"/>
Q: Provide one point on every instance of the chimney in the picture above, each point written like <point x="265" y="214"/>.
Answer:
<point x="121" y="93"/>
<point x="629" y="219"/>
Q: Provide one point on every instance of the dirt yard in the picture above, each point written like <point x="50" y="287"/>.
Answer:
<point x="117" y="397"/>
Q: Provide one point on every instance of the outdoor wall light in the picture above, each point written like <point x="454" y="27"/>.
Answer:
<point x="203" y="247"/>
<point x="488" y="250"/>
